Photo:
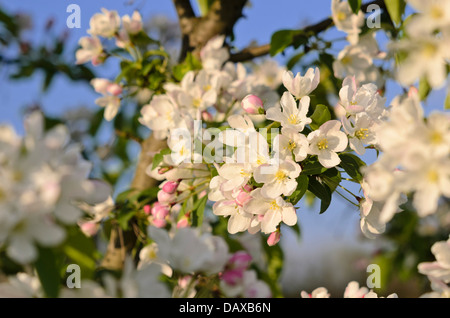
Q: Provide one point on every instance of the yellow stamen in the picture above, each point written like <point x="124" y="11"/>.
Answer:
<point x="322" y="144"/>
<point x="245" y="174"/>
<point x="341" y="16"/>
<point x="274" y="205"/>
<point x="207" y="87"/>
<point x="436" y="137"/>
<point x="362" y="133"/>
<point x="280" y="175"/>
<point x="346" y="60"/>
<point x="436" y="12"/>
<point x="293" y="119"/>
<point x="291" y="145"/>
<point x="433" y="176"/>
<point x="429" y="50"/>
<point x="197" y="102"/>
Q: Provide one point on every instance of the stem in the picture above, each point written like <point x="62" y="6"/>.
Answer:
<point x="347" y="199"/>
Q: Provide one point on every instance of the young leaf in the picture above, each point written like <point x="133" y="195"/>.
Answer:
<point x="47" y="268"/>
<point x="352" y="164"/>
<point x="322" y="191"/>
<point x="302" y="186"/>
<point x="321" y="115"/>
<point x="198" y="211"/>
<point x="159" y="157"/>
<point x="395" y="9"/>
<point x="355" y="5"/>
<point x="280" y="40"/>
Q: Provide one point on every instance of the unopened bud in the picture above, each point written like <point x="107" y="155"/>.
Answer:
<point x="252" y="104"/>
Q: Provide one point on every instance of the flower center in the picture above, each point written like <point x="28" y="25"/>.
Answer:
<point x="280" y="176"/>
<point x="429" y="50"/>
<point x="206" y="87"/>
<point x="433" y="176"/>
<point x="197" y="102"/>
<point x="274" y="206"/>
<point x="169" y="115"/>
<point x="291" y="145"/>
<point x="322" y="144"/>
<point x="245" y="174"/>
<point x="362" y="133"/>
<point x="293" y="119"/>
<point x="436" y="12"/>
<point x="436" y="137"/>
<point x="341" y="16"/>
<point x="346" y="60"/>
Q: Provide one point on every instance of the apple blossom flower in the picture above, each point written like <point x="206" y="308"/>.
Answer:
<point x="292" y="116"/>
<point x="104" y="24"/>
<point x="360" y="132"/>
<point x="274" y="211"/>
<point x="133" y="24"/>
<point x="433" y="15"/>
<point x="91" y="50"/>
<point x="301" y="86"/>
<point x="239" y="220"/>
<point x="440" y="269"/>
<point x="345" y="20"/>
<point x="326" y="141"/>
<point x="289" y="143"/>
<point x="354" y="291"/>
<point x="278" y="178"/>
<point x="320" y="292"/>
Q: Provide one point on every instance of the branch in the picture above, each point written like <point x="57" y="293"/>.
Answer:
<point x="252" y="52"/>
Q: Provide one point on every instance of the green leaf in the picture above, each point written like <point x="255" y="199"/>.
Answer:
<point x="198" y="211"/>
<point x="322" y="191"/>
<point x="48" y="270"/>
<point x="447" y="100"/>
<point x="332" y="178"/>
<point x="159" y="157"/>
<point x="204" y="6"/>
<point x="395" y="9"/>
<point x="302" y="186"/>
<point x="280" y="40"/>
<point x="313" y="167"/>
<point x="355" y="5"/>
<point x="294" y="60"/>
<point x="191" y="63"/>
<point x="124" y="218"/>
<point x="352" y="164"/>
<point x="321" y="115"/>
<point x="424" y="88"/>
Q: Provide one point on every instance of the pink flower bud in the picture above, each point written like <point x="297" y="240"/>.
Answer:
<point x="240" y="260"/>
<point x="274" y="238"/>
<point x="159" y="223"/>
<point x="89" y="228"/>
<point x="207" y="116"/>
<point x="182" y="223"/>
<point x="114" y="89"/>
<point x="413" y="92"/>
<point x="147" y="209"/>
<point x="170" y="187"/>
<point x="252" y="104"/>
<point x="244" y="195"/>
<point x="165" y="198"/>
<point x="159" y="210"/>
<point x="232" y="277"/>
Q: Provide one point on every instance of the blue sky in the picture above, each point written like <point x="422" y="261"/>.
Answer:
<point x="261" y="20"/>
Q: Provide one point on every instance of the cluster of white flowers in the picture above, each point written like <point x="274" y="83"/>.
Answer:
<point x="351" y="291"/>
<point x="41" y="177"/>
<point x="438" y="272"/>
<point x="426" y="45"/>
<point x="357" y="58"/>
<point x="415" y="160"/>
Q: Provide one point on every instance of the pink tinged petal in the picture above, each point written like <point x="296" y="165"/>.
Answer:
<point x="328" y="159"/>
<point x="273" y="238"/>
